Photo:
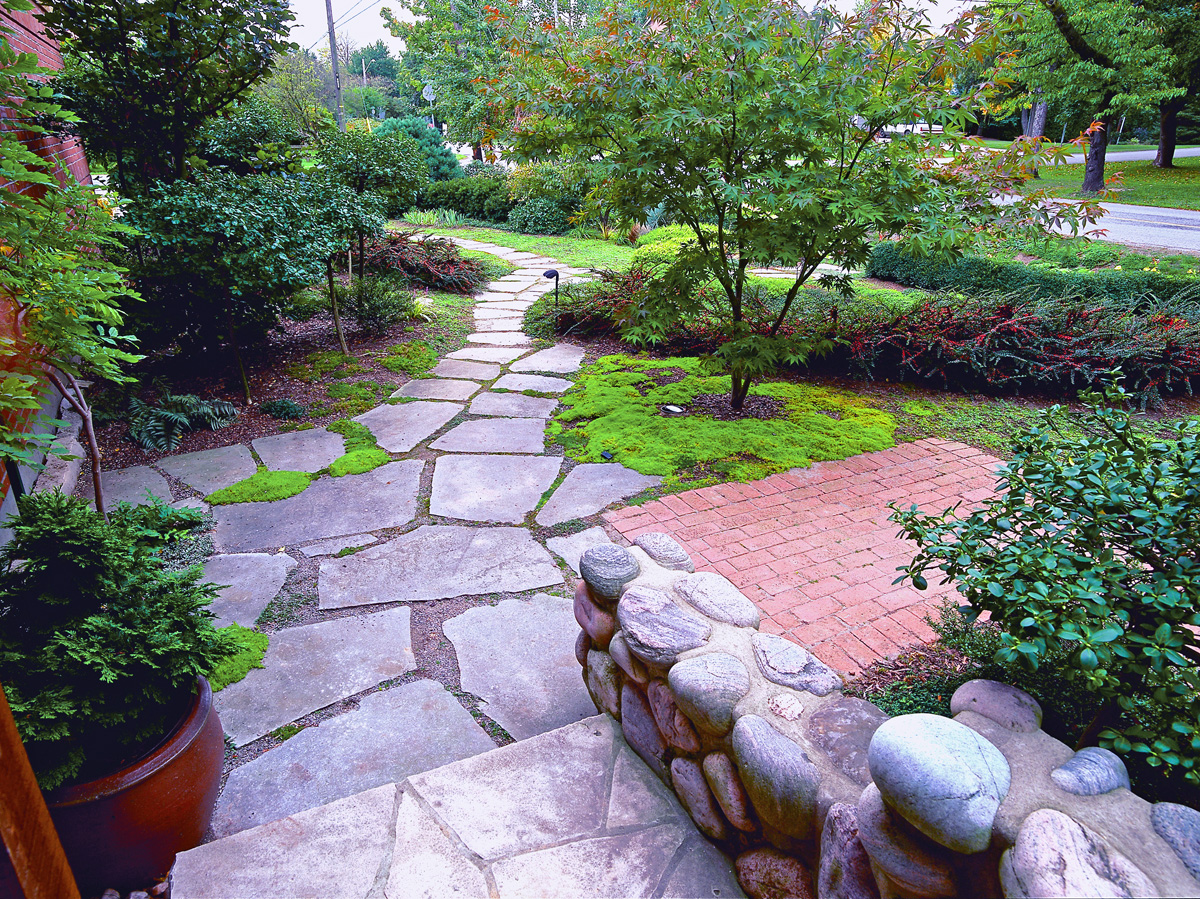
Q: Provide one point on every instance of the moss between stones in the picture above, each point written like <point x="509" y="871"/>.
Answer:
<point x="262" y="487"/>
<point x="249" y="648"/>
<point x="414" y="358"/>
<point x="616" y="402"/>
<point x="362" y="452"/>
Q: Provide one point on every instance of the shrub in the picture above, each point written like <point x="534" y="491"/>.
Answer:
<point x="99" y="646"/>
<point x="591" y="309"/>
<point x="977" y="274"/>
<point x="482" y="198"/>
<point x="1089" y="551"/>
<point x="235" y="140"/>
<point x="443" y="164"/>
<point x="375" y="303"/>
<point x="540" y="216"/>
<point x="160" y="426"/>
<point x="433" y="262"/>
<point x="285" y="409"/>
<point x="477" y="168"/>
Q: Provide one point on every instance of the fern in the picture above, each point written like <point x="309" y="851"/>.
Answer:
<point x="160" y="427"/>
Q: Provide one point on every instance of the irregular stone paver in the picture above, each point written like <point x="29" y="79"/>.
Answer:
<point x="308" y="667"/>
<point x="562" y="359"/>
<point x="435" y="562"/>
<point x="331" y="507"/>
<point x="537" y="383"/>
<point x="334" y="852"/>
<point x="459" y="368"/>
<point x="504" y="325"/>
<point x="405" y="730"/>
<point x="426" y="864"/>
<point x="488" y="354"/>
<point x="511" y="305"/>
<point x="501" y="338"/>
<point x="512" y="405"/>
<point x="491" y="295"/>
<point x="250" y="581"/>
<point x="309" y="450"/>
<point x="210" y="470"/>
<point x="127" y="485"/>
<point x="484" y="312"/>
<point x="494" y="435"/>
<point x="569" y="549"/>
<point x="530" y="679"/>
<point x="508" y="287"/>
<point x="490" y="488"/>
<point x="399" y="428"/>
<point x="590" y="487"/>
<point x="438" y="389"/>
<point x="814" y="549"/>
<point x="336" y="545"/>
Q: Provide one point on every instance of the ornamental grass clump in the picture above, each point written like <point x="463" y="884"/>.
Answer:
<point x="100" y="647"/>
<point x="1088" y="552"/>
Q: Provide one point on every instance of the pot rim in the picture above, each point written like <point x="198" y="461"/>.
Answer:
<point x="173" y="744"/>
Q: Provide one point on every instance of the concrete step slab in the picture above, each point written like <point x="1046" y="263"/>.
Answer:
<point x="488" y="353"/>
<point x="538" y="383"/>
<point x="127" y="485"/>
<point x="561" y="359"/>
<point x="459" y="368"/>
<point x="571" y="547"/>
<point x="500" y="338"/>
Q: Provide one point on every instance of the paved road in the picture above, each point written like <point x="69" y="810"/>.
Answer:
<point x="1177" y="230"/>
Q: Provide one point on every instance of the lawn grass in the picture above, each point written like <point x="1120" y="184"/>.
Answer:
<point x="1141" y="183"/>
<point x="1123" y="147"/>
<point x="567" y="250"/>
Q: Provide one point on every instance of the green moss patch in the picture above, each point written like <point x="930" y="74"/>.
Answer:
<point x="325" y="362"/>
<point x="362" y="452"/>
<point x="414" y="358"/>
<point x="248" y="647"/>
<point x="614" y="407"/>
<point x="262" y="487"/>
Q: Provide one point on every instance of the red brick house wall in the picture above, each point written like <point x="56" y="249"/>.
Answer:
<point x="26" y="35"/>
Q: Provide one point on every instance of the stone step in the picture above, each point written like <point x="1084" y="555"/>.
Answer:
<point x="569" y="813"/>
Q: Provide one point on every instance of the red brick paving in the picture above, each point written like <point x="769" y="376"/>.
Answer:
<point x="813" y="548"/>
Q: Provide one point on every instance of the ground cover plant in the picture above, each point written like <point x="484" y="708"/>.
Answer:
<point x="1087" y="552"/>
<point x="615" y="408"/>
<point x="264" y="486"/>
<point x="432" y="262"/>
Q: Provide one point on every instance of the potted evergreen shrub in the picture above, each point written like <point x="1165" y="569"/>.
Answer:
<point x="102" y="657"/>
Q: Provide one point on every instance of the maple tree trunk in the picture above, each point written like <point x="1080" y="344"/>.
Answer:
<point x="1168" y="131"/>
<point x="1093" y="172"/>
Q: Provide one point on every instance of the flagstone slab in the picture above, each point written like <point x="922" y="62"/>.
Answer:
<point x="512" y="405"/>
<point x="459" y="368"/>
<point x="249" y="582"/>
<point x="495" y="435"/>
<point x="438" y="562"/>
<point x="511" y="305"/>
<point x="562" y="359"/>
<point x="539" y="383"/>
<point x="590" y="487"/>
<point x="401" y="427"/>
<point x="485" y="311"/>
<point x="334" y="852"/>
<point x="529" y="680"/>
<point x="209" y="470"/>
<point x="508" y="287"/>
<point x="309" y="450"/>
<point x="438" y="389"/>
<point x="426" y="863"/>
<point x="394" y="733"/>
<point x="489" y="296"/>
<point x="308" y="667"/>
<point x="127" y="485"/>
<point x="491" y="488"/>
<point x="488" y="353"/>
<point x="572" y="547"/>
<point x="500" y="338"/>
<point x="330" y="507"/>
<point x="337" y="544"/>
<point x="484" y="325"/>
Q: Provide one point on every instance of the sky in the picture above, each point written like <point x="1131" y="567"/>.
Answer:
<point x="361" y="21"/>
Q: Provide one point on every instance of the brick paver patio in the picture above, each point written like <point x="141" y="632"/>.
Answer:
<point x="813" y="548"/>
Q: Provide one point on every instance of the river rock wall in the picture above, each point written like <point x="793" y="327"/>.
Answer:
<point x="818" y="793"/>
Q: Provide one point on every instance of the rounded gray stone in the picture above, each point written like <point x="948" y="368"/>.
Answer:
<point x="607" y="568"/>
<point x="656" y="629"/>
<point x="666" y="551"/>
<point x="723" y="780"/>
<point x="843" y="728"/>
<point x="1055" y="857"/>
<point x="911" y="860"/>
<point x="603" y="682"/>
<point x="688" y="780"/>
<point x="674" y="725"/>
<point x="783" y="662"/>
<point x="778" y="776"/>
<point x="626" y="661"/>
<point x="940" y="776"/>
<point x="845" y="869"/>
<point x="1179" y="826"/>
<point x="716" y="597"/>
<point x="1007" y="706"/>
<point x="708" y="687"/>
<point x="1090" y="772"/>
<point x="640" y="730"/>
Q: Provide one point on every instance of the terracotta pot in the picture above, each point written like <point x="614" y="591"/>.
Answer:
<point x="123" y="830"/>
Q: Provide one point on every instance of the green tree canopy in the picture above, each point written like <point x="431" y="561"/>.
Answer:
<point x="378" y="60"/>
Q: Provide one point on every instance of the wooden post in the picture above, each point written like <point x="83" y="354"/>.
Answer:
<point x="32" y="865"/>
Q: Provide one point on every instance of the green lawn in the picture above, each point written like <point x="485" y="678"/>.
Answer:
<point x="567" y="250"/>
<point x="1141" y="182"/>
<point x="1123" y="147"/>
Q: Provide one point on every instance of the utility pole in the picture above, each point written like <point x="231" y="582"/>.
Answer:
<point x="333" y="61"/>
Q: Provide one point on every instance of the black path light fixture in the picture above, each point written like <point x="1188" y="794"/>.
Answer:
<point x="553" y="273"/>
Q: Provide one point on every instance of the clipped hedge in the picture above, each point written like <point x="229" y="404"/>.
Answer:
<point x="978" y="274"/>
<point x="478" y="197"/>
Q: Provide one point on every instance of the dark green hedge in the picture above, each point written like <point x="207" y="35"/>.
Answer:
<point x="978" y="274"/>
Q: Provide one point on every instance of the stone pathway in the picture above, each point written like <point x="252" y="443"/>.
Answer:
<point x="387" y="775"/>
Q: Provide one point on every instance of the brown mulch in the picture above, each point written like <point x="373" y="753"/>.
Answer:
<point x="717" y="405"/>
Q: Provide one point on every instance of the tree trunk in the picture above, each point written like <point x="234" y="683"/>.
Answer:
<point x="1168" y="130"/>
<point x="333" y="303"/>
<point x="477" y="152"/>
<point x="1093" y="172"/>
<point x="1037" y="123"/>
<point x="73" y="394"/>
<point x="1109" y="715"/>
<point x="237" y="353"/>
<point x="362" y="257"/>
